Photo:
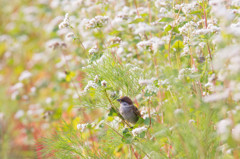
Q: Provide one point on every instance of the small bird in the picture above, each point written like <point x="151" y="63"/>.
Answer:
<point x="129" y="112"/>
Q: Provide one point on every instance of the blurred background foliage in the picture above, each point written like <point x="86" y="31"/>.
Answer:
<point x="64" y="63"/>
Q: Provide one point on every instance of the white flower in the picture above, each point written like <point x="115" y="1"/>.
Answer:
<point x="209" y="85"/>
<point x="144" y="44"/>
<point x="45" y="126"/>
<point x="89" y="85"/>
<point x="188" y="27"/>
<point x="17" y="86"/>
<point x="144" y="112"/>
<point x="25" y="75"/>
<point x="178" y="112"/>
<point x="100" y="60"/>
<point x="220" y="10"/>
<point x="163" y="10"/>
<point x="223" y="128"/>
<point x="234" y="28"/>
<point x="185" y="71"/>
<point x="237" y="108"/>
<point x="96" y="22"/>
<point x="191" y="121"/>
<point x="216" y="96"/>
<point x="153" y="43"/>
<point x="229" y="55"/>
<point x="235" y="3"/>
<point x="34" y="112"/>
<point x="61" y="75"/>
<point x="82" y="127"/>
<point x="185" y="51"/>
<point x="159" y="3"/>
<point x="19" y="114"/>
<point x="14" y="95"/>
<point x="229" y="151"/>
<point x="201" y="31"/>
<point x="223" y="148"/>
<point x="152" y="88"/>
<point x="236" y="133"/>
<point x="142" y="28"/>
<point x="69" y="36"/>
<point x="137" y="131"/>
<point x="187" y="8"/>
<point x="93" y="50"/>
<point x="56" y="43"/>
<point x="104" y="83"/>
<point x="146" y="81"/>
<point x="96" y="78"/>
<point x="48" y="100"/>
<point x="33" y="89"/>
<point x="201" y="44"/>
<point x="1" y="116"/>
<point x="115" y="40"/>
<point x="181" y="74"/>
<point x="65" y="22"/>
<point x="115" y="123"/>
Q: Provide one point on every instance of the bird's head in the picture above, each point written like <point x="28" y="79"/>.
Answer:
<point x="125" y="100"/>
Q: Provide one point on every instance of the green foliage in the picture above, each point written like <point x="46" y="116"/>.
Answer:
<point x="66" y="143"/>
<point x="61" y="77"/>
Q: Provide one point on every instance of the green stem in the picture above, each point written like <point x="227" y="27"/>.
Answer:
<point x="115" y="109"/>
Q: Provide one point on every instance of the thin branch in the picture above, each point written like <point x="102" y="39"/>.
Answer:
<point x="206" y="25"/>
<point x="114" y="130"/>
<point x="135" y="154"/>
<point x="142" y="151"/>
<point x="115" y="109"/>
<point x="169" y="43"/>
<point x="205" y="16"/>
<point x="135" y="3"/>
<point x="132" y="143"/>
<point x="73" y="84"/>
<point x="149" y="113"/>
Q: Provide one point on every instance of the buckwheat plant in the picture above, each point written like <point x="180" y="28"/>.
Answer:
<point x="64" y="64"/>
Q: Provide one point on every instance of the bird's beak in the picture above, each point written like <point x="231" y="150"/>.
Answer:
<point x="119" y="100"/>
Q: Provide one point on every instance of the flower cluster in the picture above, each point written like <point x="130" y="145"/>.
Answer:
<point x="65" y="23"/>
<point x="178" y="60"/>
<point x="96" y="22"/>
<point x="139" y="130"/>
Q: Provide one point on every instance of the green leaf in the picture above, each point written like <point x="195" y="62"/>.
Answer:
<point x="114" y="32"/>
<point x="149" y="94"/>
<point x="196" y="12"/>
<point x="57" y="114"/>
<point x="125" y="131"/>
<point x="175" y="29"/>
<point x="144" y="15"/>
<point x="69" y="76"/>
<point x="166" y="19"/>
<point x="127" y="137"/>
<point x="168" y="28"/>
<point x="95" y="56"/>
<point x="110" y="118"/>
<point x="139" y="122"/>
<point x="178" y="45"/>
<point x="147" y="121"/>
<point x="113" y="45"/>
<point x="112" y="112"/>
<point x="156" y="83"/>
<point x="142" y="134"/>
<point x="137" y="20"/>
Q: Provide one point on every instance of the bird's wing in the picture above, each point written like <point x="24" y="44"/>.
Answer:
<point x="136" y="111"/>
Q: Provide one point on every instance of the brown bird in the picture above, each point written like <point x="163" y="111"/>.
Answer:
<point x="129" y="112"/>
